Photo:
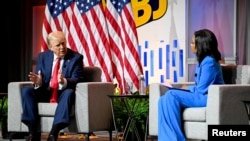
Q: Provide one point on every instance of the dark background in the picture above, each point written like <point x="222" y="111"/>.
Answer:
<point x="15" y="41"/>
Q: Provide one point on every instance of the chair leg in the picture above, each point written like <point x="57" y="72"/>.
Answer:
<point x="11" y="136"/>
<point x="110" y="135"/>
<point x="87" y="136"/>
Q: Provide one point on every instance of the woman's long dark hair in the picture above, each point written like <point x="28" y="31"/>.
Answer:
<point x="206" y="45"/>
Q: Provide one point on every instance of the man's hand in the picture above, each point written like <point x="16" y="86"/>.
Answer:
<point x="35" y="78"/>
<point x="61" y="78"/>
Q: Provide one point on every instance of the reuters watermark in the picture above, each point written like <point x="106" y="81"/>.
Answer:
<point x="219" y="132"/>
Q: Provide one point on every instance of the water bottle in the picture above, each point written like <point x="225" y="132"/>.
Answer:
<point x="142" y="85"/>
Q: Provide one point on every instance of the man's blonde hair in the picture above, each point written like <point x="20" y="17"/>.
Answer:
<point x="54" y="35"/>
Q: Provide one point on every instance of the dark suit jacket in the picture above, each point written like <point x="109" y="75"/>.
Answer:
<point x="72" y="68"/>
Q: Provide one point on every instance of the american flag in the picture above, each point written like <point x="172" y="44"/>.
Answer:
<point x="84" y="23"/>
<point x="124" y="42"/>
<point x="91" y="35"/>
<point x="57" y="17"/>
<point x="107" y="38"/>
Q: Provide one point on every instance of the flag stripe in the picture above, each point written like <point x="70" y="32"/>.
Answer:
<point x="106" y="37"/>
<point x="121" y="25"/>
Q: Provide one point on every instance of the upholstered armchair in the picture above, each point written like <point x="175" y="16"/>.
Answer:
<point x="224" y="104"/>
<point x="92" y="110"/>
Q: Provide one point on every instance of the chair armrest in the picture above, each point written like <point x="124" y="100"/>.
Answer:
<point x="15" y="105"/>
<point x="225" y="106"/>
<point x="93" y="108"/>
<point x="155" y="91"/>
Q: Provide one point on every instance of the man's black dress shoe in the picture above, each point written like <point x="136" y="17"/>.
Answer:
<point x="29" y="138"/>
<point x="52" y="138"/>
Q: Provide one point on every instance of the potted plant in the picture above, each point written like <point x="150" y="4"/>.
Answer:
<point x="3" y="116"/>
<point x="140" y="114"/>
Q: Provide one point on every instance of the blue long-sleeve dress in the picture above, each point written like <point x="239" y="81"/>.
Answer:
<point x="173" y="101"/>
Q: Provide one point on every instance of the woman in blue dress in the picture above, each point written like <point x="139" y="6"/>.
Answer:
<point x="208" y="71"/>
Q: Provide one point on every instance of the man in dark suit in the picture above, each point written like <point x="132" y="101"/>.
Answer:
<point x="69" y="74"/>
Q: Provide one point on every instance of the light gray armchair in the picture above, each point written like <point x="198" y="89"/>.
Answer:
<point x="92" y="110"/>
<point x="224" y="104"/>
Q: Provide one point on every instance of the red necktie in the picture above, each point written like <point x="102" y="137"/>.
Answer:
<point x="54" y="82"/>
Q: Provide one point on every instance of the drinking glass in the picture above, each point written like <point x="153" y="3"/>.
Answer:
<point x="129" y="88"/>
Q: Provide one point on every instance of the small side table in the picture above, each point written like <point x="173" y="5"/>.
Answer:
<point x="131" y="109"/>
<point x="3" y="95"/>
